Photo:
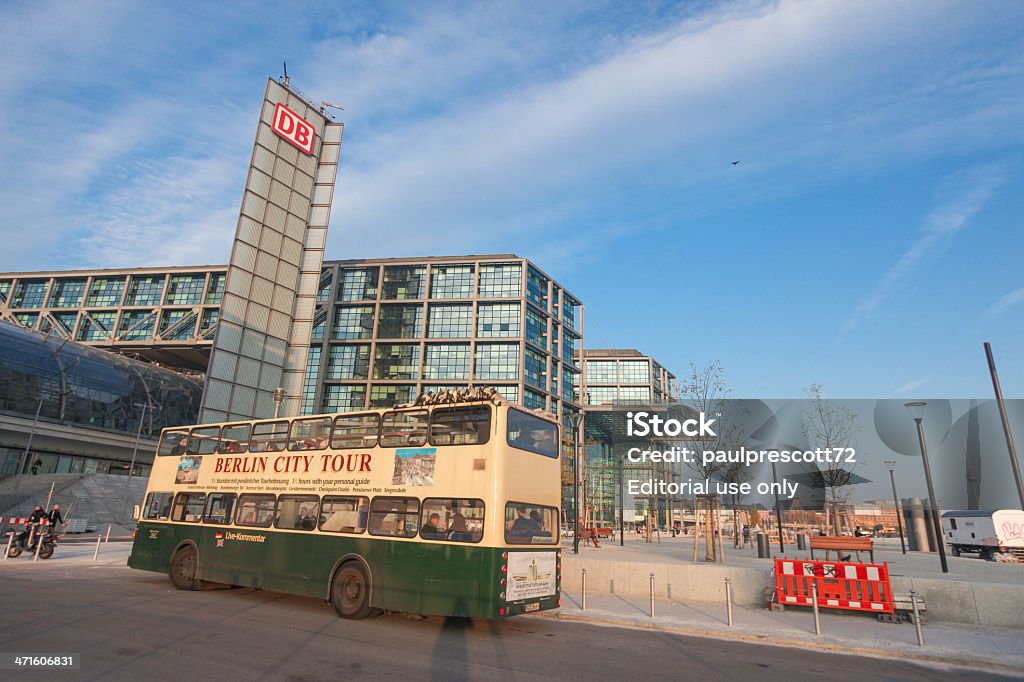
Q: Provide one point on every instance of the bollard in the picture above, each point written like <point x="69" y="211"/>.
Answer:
<point x="108" y="536"/>
<point x="10" y="541"/>
<point x="97" y="552"/>
<point x="917" y="617"/>
<point x="814" y="601"/>
<point x="801" y="541"/>
<point x="728" y="599"/>
<point x="611" y="586"/>
<point x="583" y="599"/>
<point x="652" y="595"/>
<point x="764" y="550"/>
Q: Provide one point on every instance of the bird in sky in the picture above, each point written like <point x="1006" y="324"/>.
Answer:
<point x="735" y="162"/>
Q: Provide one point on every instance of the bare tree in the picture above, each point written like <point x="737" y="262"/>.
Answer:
<point x="707" y="392"/>
<point x="827" y="425"/>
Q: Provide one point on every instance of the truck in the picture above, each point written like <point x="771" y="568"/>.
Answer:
<point x="994" y="534"/>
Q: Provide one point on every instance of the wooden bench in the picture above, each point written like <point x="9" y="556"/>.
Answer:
<point x="588" y="534"/>
<point x="604" y="532"/>
<point x="842" y="543"/>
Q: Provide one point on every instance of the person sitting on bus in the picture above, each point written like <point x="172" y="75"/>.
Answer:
<point x="432" y="528"/>
<point x="524" y="525"/>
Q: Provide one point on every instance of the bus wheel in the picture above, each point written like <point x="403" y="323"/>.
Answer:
<point x="350" y="592"/>
<point x="183" y="568"/>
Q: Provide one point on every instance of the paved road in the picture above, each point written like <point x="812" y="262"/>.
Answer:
<point x="131" y="625"/>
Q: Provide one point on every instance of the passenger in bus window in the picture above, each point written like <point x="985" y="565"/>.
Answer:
<point x="458" y="524"/>
<point x="432" y="528"/>
<point x="535" y="517"/>
<point x="524" y="525"/>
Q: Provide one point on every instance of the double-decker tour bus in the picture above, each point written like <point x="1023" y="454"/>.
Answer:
<point x="448" y="506"/>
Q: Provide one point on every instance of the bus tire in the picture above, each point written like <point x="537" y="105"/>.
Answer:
<point x="350" y="592"/>
<point x="184" y="565"/>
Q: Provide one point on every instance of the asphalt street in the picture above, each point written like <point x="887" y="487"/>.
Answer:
<point x="129" y="624"/>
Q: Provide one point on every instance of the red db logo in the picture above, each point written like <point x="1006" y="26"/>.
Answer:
<point x="293" y="128"/>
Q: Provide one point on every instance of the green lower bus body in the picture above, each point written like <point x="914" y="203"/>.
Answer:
<point x="439" y="579"/>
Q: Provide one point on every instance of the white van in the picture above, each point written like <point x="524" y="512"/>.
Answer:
<point x="993" y="533"/>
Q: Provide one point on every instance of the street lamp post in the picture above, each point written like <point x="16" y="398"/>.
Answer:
<point x="916" y="410"/>
<point x="278" y="397"/>
<point x="622" y="503"/>
<point x="891" y="466"/>
<point x="135" y="450"/>
<point x="778" y="509"/>
<point x="576" y="419"/>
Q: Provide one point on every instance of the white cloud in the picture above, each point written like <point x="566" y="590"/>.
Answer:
<point x="911" y="385"/>
<point x="971" y="190"/>
<point x="1004" y="304"/>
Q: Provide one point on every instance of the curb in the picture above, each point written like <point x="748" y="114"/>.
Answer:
<point x="766" y="640"/>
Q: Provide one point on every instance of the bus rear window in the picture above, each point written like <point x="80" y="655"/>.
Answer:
<point x="255" y="510"/>
<point x="355" y="431"/>
<point x="530" y="524"/>
<point x="404" y="429"/>
<point x="527" y="432"/>
<point x="460" y="425"/>
<point x="396" y="517"/>
<point x="344" y="514"/>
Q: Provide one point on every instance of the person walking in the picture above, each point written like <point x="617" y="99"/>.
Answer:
<point x="55" y="518"/>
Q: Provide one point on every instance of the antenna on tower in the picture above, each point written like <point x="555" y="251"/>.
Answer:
<point x="285" y="73"/>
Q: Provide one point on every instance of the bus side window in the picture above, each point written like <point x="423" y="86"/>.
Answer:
<point x="158" y="506"/>
<point x="458" y="520"/>
<point x="269" y="437"/>
<point x="188" y="507"/>
<point x="460" y="425"/>
<point x="219" y="508"/>
<point x="309" y="434"/>
<point x="344" y="514"/>
<point x="297" y="512"/>
<point x="394" y="516"/>
<point x="355" y="431"/>
<point x="255" y="510"/>
<point x="404" y="429"/>
<point x="234" y="439"/>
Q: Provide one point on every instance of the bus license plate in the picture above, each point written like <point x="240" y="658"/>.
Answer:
<point x="531" y="607"/>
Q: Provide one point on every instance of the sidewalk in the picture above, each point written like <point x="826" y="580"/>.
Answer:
<point x="998" y="649"/>
<point x="74" y="553"/>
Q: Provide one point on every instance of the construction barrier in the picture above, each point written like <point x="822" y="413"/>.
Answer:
<point x="841" y="585"/>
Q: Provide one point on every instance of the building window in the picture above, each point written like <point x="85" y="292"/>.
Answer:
<point x="635" y="395"/>
<point x="537" y="289"/>
<point x="96" y="326"/>
<point x="389" y="396"/>
<point x="65" y="323"/>
<point x="27" y="320"/>
<point x="67" y="293"/>
<point x="601" y="395"/>
<point x="509" y="393"/>
<point x="497" y="320"/>
<point x="350" y="361"/>
<point x="358" y="284"/>
<point x="497" y="361"/>
<point x="450" y="321"/>
<point x="29" y="294"/>
<point x="403" y="282"/>
<point x="503" y="280"/>
<point x="215" y="289"/>
<point x="570" y="384"/>
<point x="634" y="372"/>
<point x="398" y="321"/>
<point x="396" y="361"/>
<point x="601" y="372"/>
<point x="344" y="398"/>
<point x="353" y="322"/>
<point x="451" y="281"/>
<point x="570" y="345"/>
<point x="105" y="291"/>
<point x="185" y="290"/>
<point x="535" y="369"/>
<point x="447" y="361"/>
<point x="137" y="325"/>
<point x="533" y="400"/>
<point x="5" y="289"/>
<point x="146" y="290"/>
<point x="569" y="307"/>
<point x="209" y="322"/>
<point x="536" y="329"/>
<point x="312" y="378"/>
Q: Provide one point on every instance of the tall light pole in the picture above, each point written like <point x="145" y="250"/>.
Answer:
<point x="576" y="419"/>
<point x="778" y="509"/>
<point x="278" y="397"/>
<point x="891" y="466"/>
<point x="1014" y="465"/>
<point x="916" y="410"/>
<point x="135" y="451"/>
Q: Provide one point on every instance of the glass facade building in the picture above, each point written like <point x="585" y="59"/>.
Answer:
<point x="68" y="391"/>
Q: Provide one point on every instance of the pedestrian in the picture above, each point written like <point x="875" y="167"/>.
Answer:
<point x="35" y="466"/>
<point x="55" y="518"/>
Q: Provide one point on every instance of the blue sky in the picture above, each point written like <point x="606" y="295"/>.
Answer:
<point x="869" y="240"/>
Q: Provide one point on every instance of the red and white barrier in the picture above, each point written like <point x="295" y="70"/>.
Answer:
<point x="841" y="585"/>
